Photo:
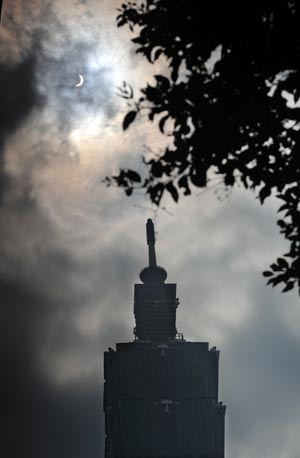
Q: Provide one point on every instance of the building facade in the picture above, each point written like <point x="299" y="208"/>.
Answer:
<point x="160" y="391"/>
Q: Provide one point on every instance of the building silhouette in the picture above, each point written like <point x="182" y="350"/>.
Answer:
<point x="160" y="391"/>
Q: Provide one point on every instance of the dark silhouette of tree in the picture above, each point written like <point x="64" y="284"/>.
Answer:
<point x="236" y="114"/>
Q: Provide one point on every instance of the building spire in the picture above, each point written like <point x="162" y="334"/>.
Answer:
<point x="151" y="242"/>
<point x="153" y="273"/>
<point x="154" y="300"/>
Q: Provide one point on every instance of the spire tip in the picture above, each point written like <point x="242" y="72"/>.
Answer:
<point x="150" y="232"/>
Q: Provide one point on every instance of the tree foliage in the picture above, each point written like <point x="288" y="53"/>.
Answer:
<point x="238" y="114"/>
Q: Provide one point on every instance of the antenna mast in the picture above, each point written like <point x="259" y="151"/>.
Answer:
<point x="151" y="242"/>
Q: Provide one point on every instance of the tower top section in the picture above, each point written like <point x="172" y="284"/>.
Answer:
<point x="154" y="300"/>
<point x="153" y="273"/>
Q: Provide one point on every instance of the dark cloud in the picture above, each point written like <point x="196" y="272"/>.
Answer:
<point x="47" y="409"/>
<point x="39" y="419"/>
<point x="51" y="362"/>
<point x="18" y="94"/>
<point x="18" y="97"/>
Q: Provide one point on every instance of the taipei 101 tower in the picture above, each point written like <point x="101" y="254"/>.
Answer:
<point x="161" y="391"/>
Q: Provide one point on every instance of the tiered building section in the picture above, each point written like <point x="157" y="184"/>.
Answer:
<point x="161" y="392"/>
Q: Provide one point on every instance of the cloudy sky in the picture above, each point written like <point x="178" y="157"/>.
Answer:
<point x="71" y="249"/>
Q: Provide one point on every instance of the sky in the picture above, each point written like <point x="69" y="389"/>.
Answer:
<point x="71" y="249"/>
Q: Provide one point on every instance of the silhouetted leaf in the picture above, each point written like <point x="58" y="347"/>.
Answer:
<point x="281" y="223"/>
<point x="282" y="263"/>
<point x="173" y="191"/>
<point x="267" y="273"/>
<point x="275" y="267"/>
<point x="229" y="179"/>
<point x="263" y="193"/>
<point x="129" y="118"/>
<point x="162" y="123"/>
<point x="133" y="176"/>
<point x="283" y="207"/>
<point x="162" y="81"/>
<point x="156" y="52"/>
<point x="276" y="280"/>
<point x="183" y="183"/>
<point x="288" y="287"/>
<point x="198" y="177"/>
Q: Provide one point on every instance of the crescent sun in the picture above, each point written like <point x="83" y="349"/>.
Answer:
<point x="81" y="81"/>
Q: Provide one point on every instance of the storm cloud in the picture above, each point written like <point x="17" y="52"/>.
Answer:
<point x="18" y="97"/>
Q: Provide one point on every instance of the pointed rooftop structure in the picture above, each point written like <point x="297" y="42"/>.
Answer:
<point x="153" y="273"/>
<point x="154" y="300"/>
<point x="160" y="391"/>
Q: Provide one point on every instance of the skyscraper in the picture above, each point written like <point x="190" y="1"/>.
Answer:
<point x="161" y="391"/>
